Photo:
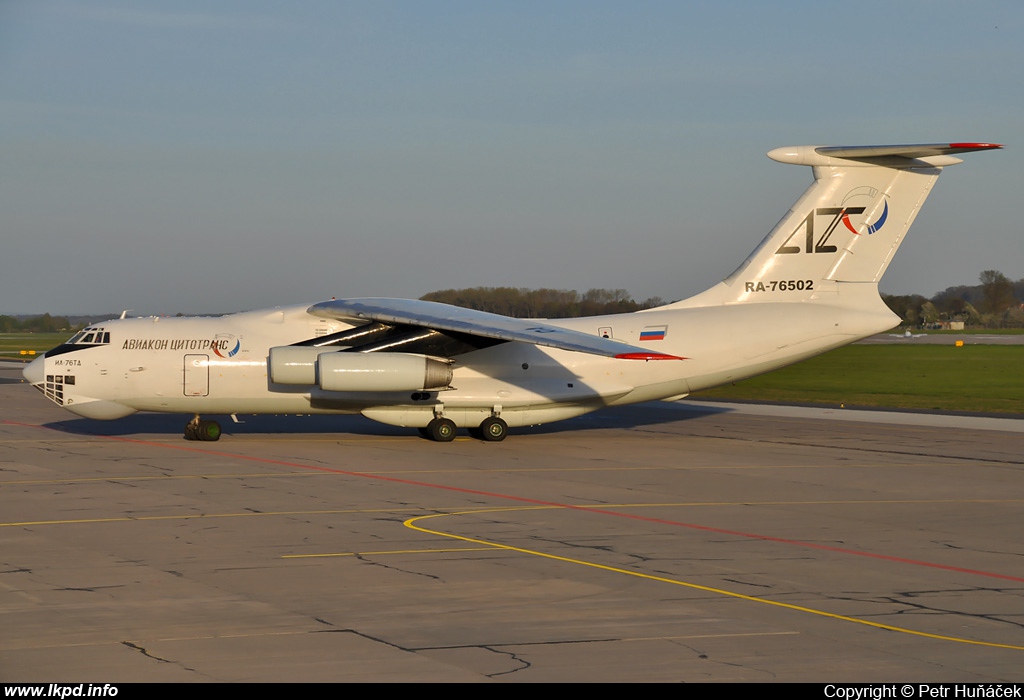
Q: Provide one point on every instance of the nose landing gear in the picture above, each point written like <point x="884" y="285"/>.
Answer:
<point x="204" y="430"/>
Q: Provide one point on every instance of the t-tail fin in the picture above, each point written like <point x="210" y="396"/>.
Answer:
<point x="845" y="228"/>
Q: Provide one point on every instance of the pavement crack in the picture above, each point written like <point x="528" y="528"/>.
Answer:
<point x="747" y="583"/>
<point x="908" y="604"/>
<point x="523" y="663"/>
<point x="706" y="657"/>
<point x="349" y="630"/>
<point x="144" y="652"/>
<point x="950" y="545"/>
<point x="363" y="558"/>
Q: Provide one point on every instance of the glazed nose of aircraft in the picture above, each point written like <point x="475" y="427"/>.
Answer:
<point x="35" y="372"/>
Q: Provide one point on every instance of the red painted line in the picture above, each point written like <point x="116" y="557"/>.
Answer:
<point x="553" y="504"/>
<point x="975" y="145"/>
<point x="647" y="356"/>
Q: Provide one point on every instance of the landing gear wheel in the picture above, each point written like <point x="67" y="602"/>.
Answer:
<point x="441" y="430"/>
<point x="494" y="429"/>
<point x="205" y="430"/>
<point x="208" y="430"/>
<point x="425" y="432"/>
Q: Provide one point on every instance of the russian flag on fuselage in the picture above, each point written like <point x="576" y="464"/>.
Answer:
<point x="653" y="333"/>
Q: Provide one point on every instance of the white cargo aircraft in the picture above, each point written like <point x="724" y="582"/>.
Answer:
<point x="810" y="286"/>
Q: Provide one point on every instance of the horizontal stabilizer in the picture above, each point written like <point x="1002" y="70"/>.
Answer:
<point x="898" y="156"/>
<point x="924" y="150"/>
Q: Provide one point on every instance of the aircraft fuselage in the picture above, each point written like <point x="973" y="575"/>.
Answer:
<point x="219" y="365"/>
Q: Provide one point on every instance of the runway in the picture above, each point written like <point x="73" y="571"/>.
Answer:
<point x="663" y="542"/>
<point x="895" y="338"/>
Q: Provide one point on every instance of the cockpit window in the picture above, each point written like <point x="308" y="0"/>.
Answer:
<point x="90" y="336"/>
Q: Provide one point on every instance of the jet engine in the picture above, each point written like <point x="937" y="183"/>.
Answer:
<point x="357" y="371"/>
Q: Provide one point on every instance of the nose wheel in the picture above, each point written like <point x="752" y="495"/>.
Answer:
<point x="204" y="430"/>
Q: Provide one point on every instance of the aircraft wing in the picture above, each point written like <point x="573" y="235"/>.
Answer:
<point x="444" y="317"/>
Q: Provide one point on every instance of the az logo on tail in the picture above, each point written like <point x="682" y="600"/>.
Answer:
<point x="837" y="214"/>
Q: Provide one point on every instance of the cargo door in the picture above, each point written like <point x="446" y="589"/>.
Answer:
<point x="197" y="375"/>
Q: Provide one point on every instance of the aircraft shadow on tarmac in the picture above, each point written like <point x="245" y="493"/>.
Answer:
<point x="170" y="424"/>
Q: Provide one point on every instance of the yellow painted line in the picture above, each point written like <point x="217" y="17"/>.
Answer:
<point x="694" y="504"/>
<point x="411" y="524"/>
<point x="677" y="468"/>
<point x="13" y="590"/>
<point x="391" y="551"/>
<point x="306" y="473"/>
<point x="491" y="509"/>
<point x="159" y="477"/>
<point x="290" y="633"/>
<point x="209" y="516"/>
<point x="203" y="516"/>
<point x="106" y="643"/>
<point x="703" y="636"/>
<point x="487" y="545"/>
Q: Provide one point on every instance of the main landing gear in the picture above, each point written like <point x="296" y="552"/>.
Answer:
<point x="439" y="430"/>
<point x="492" y="429"/>
<point x="205" y="430"/>
<point x="442" y="429"/>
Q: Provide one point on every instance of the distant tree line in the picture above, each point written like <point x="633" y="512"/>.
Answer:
<point x="994" y="303"/>
<point x="35" y="324"/>
<point x="542" y="303"/>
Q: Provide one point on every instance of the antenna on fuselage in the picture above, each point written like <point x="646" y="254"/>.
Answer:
<point x="124" y="314"/>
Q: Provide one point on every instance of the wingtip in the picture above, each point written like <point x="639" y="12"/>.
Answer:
<point x="975" y="146"/>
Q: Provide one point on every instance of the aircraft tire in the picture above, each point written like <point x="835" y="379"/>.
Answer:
<point x="190" y="432"/>
<point x="208" y="430"/>
<point x="494" y="429"/>
<point x="441" y="430"/>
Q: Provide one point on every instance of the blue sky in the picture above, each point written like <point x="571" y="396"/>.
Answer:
<point x="209" y="157"/>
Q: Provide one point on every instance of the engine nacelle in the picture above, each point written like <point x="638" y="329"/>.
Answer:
<point x="381" y="371"/>
<point x="357" y="371"/>
<point x="291" y="364"/>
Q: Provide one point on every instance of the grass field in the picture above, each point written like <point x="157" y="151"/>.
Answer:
<point x="11" y="344"/>
<point x="978" y="331"/>
<point x="977" y="378"/>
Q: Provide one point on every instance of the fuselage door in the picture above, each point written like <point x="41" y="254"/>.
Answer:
<point x="197" y="375"/>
